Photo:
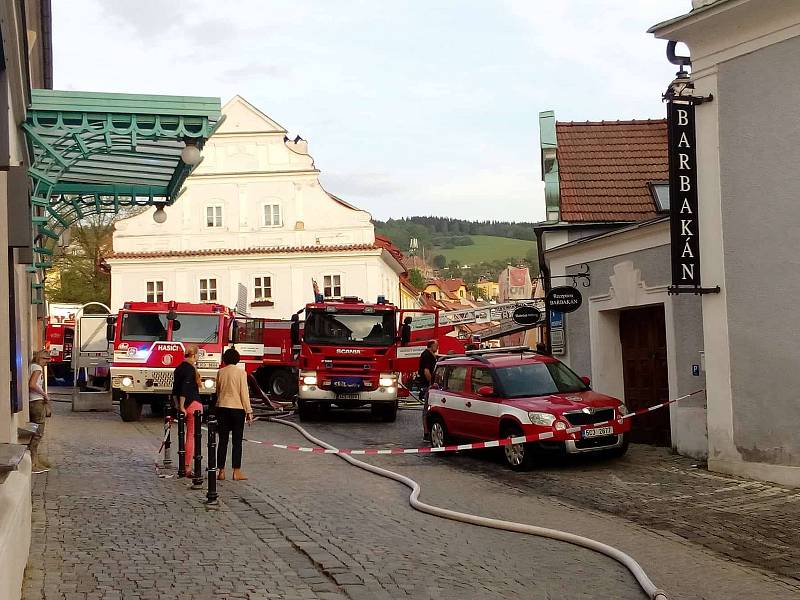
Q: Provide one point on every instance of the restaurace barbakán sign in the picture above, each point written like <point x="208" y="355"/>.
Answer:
<point x="683" y="197"/>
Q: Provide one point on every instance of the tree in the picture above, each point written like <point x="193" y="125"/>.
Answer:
<point x="79" y="274"/>
<point x="416" y="279"/>
<point x="439" y="261"/>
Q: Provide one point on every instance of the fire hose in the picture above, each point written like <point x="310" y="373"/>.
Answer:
<point x="653" y="592"/>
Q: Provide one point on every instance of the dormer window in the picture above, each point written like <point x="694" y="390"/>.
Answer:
<point x="660" y="193"/>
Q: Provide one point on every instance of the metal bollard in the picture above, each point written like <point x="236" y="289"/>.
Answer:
<point x="197" y="480"/>
<point x="181" y="445"/>
<point x="211" y="495"/>
<point x="168" y="441"/>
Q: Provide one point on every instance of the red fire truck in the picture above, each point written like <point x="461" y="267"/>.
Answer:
<point x="354" y="353"/>
<point x="149" y="342"/>
<point x="59" y="338"/>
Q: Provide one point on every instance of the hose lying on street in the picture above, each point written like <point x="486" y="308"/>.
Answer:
<point x="628" y="562"/>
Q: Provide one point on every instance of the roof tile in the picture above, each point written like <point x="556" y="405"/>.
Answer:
<point x="604" y="168"/>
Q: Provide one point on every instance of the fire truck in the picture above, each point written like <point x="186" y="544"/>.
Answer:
<point x="149" y="341"/>
<point x="59" y="338"/>
<point x="354" y="353"/>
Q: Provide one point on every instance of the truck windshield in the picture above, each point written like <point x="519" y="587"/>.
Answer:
<point x="144" y="327"/>
<point x="350" y="328"/>
<point x="538" y="379"/>
<point x="198" y="329"/>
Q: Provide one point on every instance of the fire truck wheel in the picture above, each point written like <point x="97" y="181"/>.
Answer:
<point x="305" y="410"/>
<point x="281" y="384"/>
<point x="385" y="411"/>
<point x="129" y="408"/>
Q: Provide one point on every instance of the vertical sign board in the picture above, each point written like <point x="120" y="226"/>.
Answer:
<point x="683" y="196"/>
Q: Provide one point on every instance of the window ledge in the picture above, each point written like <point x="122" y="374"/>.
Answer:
<point x="10" y="456"/>
<point x="262" y="303"/>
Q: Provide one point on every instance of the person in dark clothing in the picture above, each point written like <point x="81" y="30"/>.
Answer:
<point x="186" y="396"/>
<point x="427" y="365"/>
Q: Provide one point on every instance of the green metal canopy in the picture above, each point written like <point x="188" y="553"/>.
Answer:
<point x="96" y="152"/>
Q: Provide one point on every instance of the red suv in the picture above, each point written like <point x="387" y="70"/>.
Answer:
<point x="508" y="392"/>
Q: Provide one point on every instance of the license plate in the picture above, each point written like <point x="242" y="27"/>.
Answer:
<point x="597" y="432"/>
<point x="347" y="396"/>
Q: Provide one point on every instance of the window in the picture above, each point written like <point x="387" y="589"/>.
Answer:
<point x="456" y="379"/>
<point x="539" y="379"/>
<point x="155" y="291"/>
<point x="480" y="378"/>
<point x="262" y="287"/>
<point x="208" y="290"/>
<point x="332" y="286"/>
<point x="347" y="328"/>
<point x="660" y="193"/>
<point x="272" y="215"/>
<point x="144" y="327"/>
<point x="213" y="216"/>
<point x="199" y="329"/>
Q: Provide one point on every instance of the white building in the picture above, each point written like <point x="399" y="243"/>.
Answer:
<point x="253" y="213"/>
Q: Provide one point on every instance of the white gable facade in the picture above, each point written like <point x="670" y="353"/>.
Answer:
<point x="252" y="213"/>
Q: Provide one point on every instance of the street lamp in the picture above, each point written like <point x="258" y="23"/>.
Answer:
<point x="191" y="154"/>
<point x="160" y="216"/>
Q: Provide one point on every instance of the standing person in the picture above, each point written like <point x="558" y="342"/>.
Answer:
<point x="233" y="409"/>
<point x="39" y="405"/>
<point x="186" y="394"/>
<point x="427" y="364"/>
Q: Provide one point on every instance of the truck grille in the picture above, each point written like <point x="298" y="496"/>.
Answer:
<point x="162" y="379"/>
<point x="582" y="418"/>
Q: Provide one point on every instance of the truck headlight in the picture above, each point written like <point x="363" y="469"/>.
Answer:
<point x="309" y="377"/>
<point x="541" y="418"/>
<point x="208" y="383"/>
<point x="387" y="379"/>
<point x="127" y="381"/>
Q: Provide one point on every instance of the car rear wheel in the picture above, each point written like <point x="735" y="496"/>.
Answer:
<point x="438" y="429"/>
<point x="519" y="457"/>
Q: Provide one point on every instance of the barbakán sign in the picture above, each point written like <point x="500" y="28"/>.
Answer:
<point x="564" y="299"/>
<point x="683" y="196"/>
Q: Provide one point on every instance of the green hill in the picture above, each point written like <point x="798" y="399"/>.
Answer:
<point x="486" y="248"/>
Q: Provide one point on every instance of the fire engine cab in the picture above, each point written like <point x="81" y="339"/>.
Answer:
<point x="150" y="340"/>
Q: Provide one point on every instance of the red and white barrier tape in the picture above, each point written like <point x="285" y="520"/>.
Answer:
<point x="548" y="435"/>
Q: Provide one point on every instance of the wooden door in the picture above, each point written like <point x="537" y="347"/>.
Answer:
<point x="644" y="365"/>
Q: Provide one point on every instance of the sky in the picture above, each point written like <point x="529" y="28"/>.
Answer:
<point x="410" y="107"/>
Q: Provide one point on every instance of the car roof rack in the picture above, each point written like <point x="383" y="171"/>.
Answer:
<point x="507" y="349"/>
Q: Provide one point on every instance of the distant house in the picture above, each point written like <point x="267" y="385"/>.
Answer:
<point x="454" y="290"/>
<point x="420" y="264"/>
<point x="515" y="284"/>
<point x="489" y="290"/>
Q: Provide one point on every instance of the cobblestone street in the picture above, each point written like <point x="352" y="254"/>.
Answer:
<point x="313" y="527"/>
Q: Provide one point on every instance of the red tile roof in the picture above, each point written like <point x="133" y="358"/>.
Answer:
<point x="604" y="168"/>
<point x="238" y="251"/>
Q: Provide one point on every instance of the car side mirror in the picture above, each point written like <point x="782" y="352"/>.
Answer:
<point x="176" y="325"/>
<point x="486" y="391"/>
<point x="586" y="380"/>
<point x="405" y="335"/>
<point x="172" y="314"/>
